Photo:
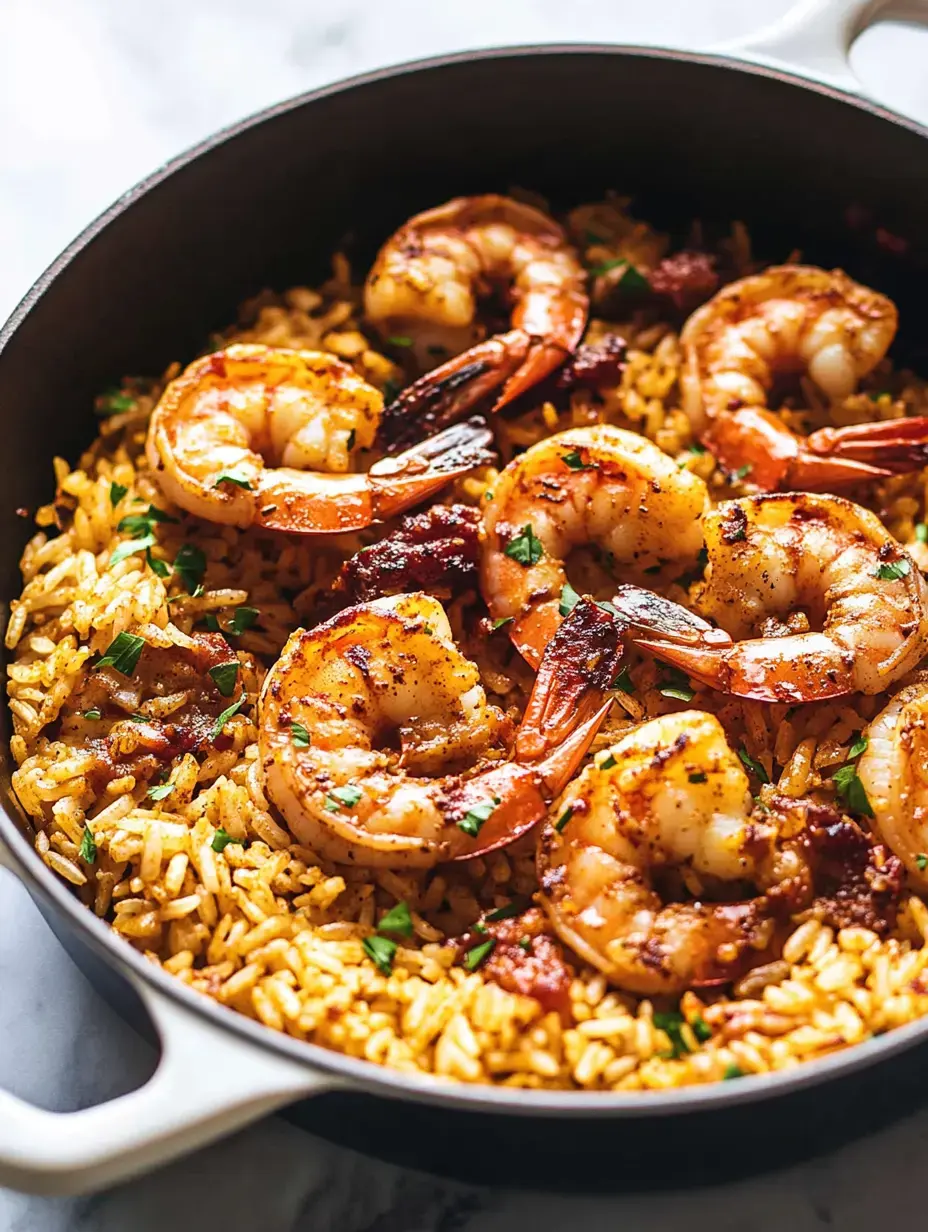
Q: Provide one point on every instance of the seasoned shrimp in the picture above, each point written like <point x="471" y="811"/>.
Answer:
<point x="828" y="602"/>
<point x="600" y="486"/>
<point x="243" y="436"/>
<point x="664" y="814"/>
<point x="387" y="674"/>
<point x="427" y="279"/>
<point x="793" y="318"/>
<point x="894" y="773"/>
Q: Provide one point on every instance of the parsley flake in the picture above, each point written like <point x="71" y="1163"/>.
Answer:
<point x="563" y="819"/>
<point x="575" y="462"/>
<point x="623" y="681"/>
<point x="113" y="402"/>
<point x="569" y="599"/>
<point x="742" y="471"/>
<point x="88" y="847"/>
<point x="400" y="340"/>
<point x="225" y="676"/>
<point x="299" y="735"/>
<point x="338" y="796"/>
<point x="921" y="532"/>
<point x="473" y="820"/>
<point x="93" y="714"/>
<point x="516" y="907"/>
<point x="473" y="958"/>
<point x="732" y="1071"/>
<point x="524" y="943"/>
<point x="498" y="624"/>
<point x="607" y="762"/>
<point x="698" y="776"/>
<point x="238" y="476"/>
<point x="221" y="840"/>
<point x="755" y="767"/>
<point x="131" y="547"/>
<point x="123" y="653"/>
<point x="381" y="952"/>
<point x="117" y="492"/>
<point x="190" y="566"/>
<point x="696" y="448"/>
<point x="161" y="791"/>
<point x="671" y="1023"/>
<point x="859" y="746"/>
<point x="894" y="570"/>
<point x="226" y="715"/>
<point x="241" y="619"/>
<point x="397" y="920"/>
<point x="921" y="861"/>
<point x="851" y="790"/>
<point x="526" y="548"/>
<point x="676" y="684"/>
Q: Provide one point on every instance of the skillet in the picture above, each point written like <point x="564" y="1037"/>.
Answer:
<point x="262" y="204"/>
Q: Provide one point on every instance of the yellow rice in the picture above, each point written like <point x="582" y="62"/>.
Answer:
<point x="268" y="928"/>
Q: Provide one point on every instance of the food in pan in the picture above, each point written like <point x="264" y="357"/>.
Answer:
<point x="508" y="667"/>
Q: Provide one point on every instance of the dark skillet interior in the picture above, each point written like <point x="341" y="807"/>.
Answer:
<point x="266" y="205"/>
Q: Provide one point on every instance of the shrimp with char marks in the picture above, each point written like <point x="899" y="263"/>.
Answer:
<point x="598" y="486"/>
<point x="663" y="816"/>
<point x="357" y="714"/>
<point x="426" y="281"/>
<point x="789" y="319"/>
<point x="264" y="436"/>
<point x="819" y="598"/>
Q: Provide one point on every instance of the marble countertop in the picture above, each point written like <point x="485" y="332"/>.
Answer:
<point x="93" y="94"/>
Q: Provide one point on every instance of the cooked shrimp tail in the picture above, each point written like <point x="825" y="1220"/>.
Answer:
<point x="305" y="502"/>
<point x="453" y="388"/>
<point x="828" y="460"/>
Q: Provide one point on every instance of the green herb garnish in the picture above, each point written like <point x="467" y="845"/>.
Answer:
<point x="473" y="820"/>
<point x="676" y="684"/>
<point x="516" y="907"/>
<point x="701" y="1029"/>
<point x="397" y="920"/>
<point x="94" y="713"/>
<point x="160" y="567"/>
<point x="894" y="570"/>
<point x="221" y="840"/>
<point x="88" y="847"/>
<point x="498" y="624"/>
<point x="381" y="952"/>
<point x="563" y="819"/>
<point x="241" y="619"/>
<point x="400" y="340"/>
<point x="524" y="943"/>
<point x="113" y="402"/>
<point x="117" y="492"/>
<point x="473" y="958"/>
<point x="190" y="566"/>
<point x="732" y="1071"/>
<point x="742" y="471"/>
<point x="851" y="790"/>
<point x="226" y="715"/>
<point x="237" y="476"/>
<point x="607" y="762"/>
<point x="921" y="861"/>
<point x="526" y="548"/>
<point x="623" y="681"/>
<point x="921" y="532"/>
<point x="123" y="653"/>
<point x="569" y="599"/>
<point x="338" y="796"/>
<point x="576" y="463"/>
<point x="859" y="746"/>
<point x="162" y="791"/>
<point x="696" y="448"/>
<point x="143" y="523"/>
<point x="131" y="547"/>
<point x="225" y="676"/>
<point x="671" y="1023"/>
<point x="299" y="735"/>
<point x="698" y="776"/>
<point x="755" y="767"/>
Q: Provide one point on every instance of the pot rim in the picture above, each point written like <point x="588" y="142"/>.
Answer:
<point x="357" y="1073"/>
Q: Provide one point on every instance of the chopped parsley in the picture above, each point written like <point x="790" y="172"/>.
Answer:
<point x="94" y="713"/>
<point x="241" y="619"/>
<point x="160" y="567"/>
<point x="498" y="624"/>
<point x="698" y="776"/>
<point x="696" y="448"/>
<point x="742" y="471"/>
<point x="161" y="791"/>
<point x="563" y="819"/>
<point x="921" y="861"/>
<point x="113" y="402"/>
<point x="676" y="684"/>
<point x="338" y="796"/>
<point x="239" y="477"/>
<point x="701" y="1029"/>
<point x="671" y="1023"/>
<point x="299" y="735"/>
<point x="225" y="676"/>
<point x="190" y="566"/>
<point x="893" y="570"/>
<point x="753" y="766"/>
<point x="525" y="943"/>
<point x="123" y="653"/>
<point x="526" y="548"/>
<point x="623" y="681"/>
<point x="631" y="280"/>
<point x="607" y="762"/>
<point x="117" y="492"/>
<point x="859" y="746"/>
<point x="88" y="847"/>
<point x="473" y="820"/>
<point x="921" y="532"/>
<point x="226" y="715"/>
<point x="569" y="599"/>
<point x="381" y="952"/>
<point x="576" y="463"/>
<point x="221" y="840"/>
<point x="516" y="907"/>
<point x="732" y="1071"/>
<point x="131" y="547"/>
<point x="143" y="523"/>
<point x="397" y="920"/>
<point x="590" y="237"/>
<point x="400" y="340"/>
<point x="851" y="790"/>
<point x="473" y="958"/>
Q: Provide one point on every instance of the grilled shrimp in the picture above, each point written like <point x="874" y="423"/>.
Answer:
<point x="793" y="318"/>
<point x="427" y="279"/>
<point x="668" y="806"/>
<point x="894" y="772"/>
<point x="243" y="437"/>
<point x="828" y="602"/>
<point x="600" y="486"/>
<point x="387" y="674"/>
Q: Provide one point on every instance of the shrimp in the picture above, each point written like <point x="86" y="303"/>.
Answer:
<point x="601" y="486"/>
<point x="242" y="437"/>
<point x="387" y="675"/>
<point x="427" y="279"/>
<point x="793" y="318"/>
<point x="827" y="601"/>
<point x="893" y="770"/>
<point x="664" y="814"/>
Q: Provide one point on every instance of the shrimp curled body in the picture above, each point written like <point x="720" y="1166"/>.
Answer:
<point x="426" y="282"/>
<point x="264" y="436"/>
<point x="819" y="597"/>
<point x="670" y="799"/>
<point x="793" y="319"/>
<point x="598" y="486"/>
<point x="386" y="676"/>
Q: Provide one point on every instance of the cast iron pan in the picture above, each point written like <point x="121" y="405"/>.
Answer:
<point x="262" y="205"/>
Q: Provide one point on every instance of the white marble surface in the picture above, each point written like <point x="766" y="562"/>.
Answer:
<point x="93" y="93"/>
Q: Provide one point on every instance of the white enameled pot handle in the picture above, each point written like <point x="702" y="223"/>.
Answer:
<point x="209" y="1082"/>
<point x="814" y="37"/>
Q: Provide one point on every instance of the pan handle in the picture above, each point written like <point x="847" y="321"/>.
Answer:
<point x="208" y="1083"/>
<point x="814" y="37"/>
